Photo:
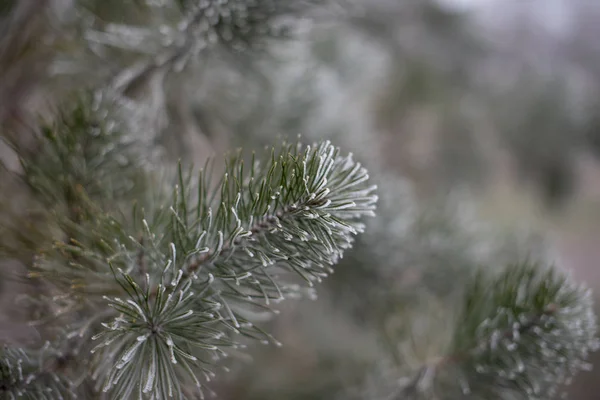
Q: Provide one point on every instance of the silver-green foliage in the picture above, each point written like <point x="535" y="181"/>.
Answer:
<point x="30" y="375"/>
<point x="520" y="334"/>
<point x="297" y="213"/>
<point x="166" y="292"/>
<point x="191" y="28"/>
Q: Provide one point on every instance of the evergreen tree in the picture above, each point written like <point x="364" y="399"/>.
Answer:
<point x="138" y="274"/>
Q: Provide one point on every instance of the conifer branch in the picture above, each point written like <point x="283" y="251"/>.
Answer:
<point x="181" y="279"/>
<point x="31" y="375"/>
<point x="523" y="333"/>
<point x="91" y="147"/>
<point x="201" y="26"/>
<point x="297" y="213"/>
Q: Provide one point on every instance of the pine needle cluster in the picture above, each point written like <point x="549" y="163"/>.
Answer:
<point x="165" y="292"/>
<point x="522" y="333"/>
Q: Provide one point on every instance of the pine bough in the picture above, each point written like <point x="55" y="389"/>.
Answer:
<point x="521" y="333"/>
<point x="296" y="214"/>
<point x="158" y="297"/>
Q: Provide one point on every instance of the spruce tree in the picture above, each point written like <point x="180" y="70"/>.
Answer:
<point x="143" y="272"/>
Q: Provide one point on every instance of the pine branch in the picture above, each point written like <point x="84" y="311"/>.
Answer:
<point x="92" y="147"/>
<point x="198" y="25"/>
<point x="296" y="214"/>
<point x="180" y="283"/>
<point x="31" y="375"/>
<point x="521" y="335"/>
<point x="304" y="201"/>
<point x="88" y="165"/>
<point x="190" y="29"/>
<point x="238" y="24"/>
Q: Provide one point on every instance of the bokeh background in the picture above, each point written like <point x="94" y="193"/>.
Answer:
<point x="479" y="119"/>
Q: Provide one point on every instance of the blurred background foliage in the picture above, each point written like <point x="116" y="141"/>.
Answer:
<point x="481" y="119"/>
